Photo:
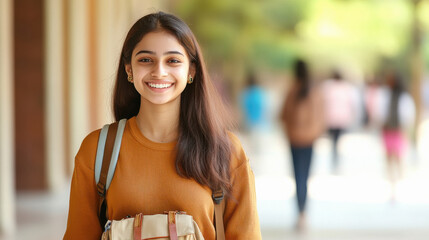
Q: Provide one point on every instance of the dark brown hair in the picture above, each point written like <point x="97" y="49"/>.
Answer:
<point x="303" y="78"/>
<point x="203" y="147"/>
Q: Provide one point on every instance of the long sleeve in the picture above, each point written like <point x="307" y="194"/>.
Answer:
<point x="82" y="220"/>
<point x="241" y="217"/>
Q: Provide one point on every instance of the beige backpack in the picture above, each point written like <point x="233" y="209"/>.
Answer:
<point x="174" y="225"/>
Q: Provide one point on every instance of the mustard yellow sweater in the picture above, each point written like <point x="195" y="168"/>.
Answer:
<point x="146" y="181"/>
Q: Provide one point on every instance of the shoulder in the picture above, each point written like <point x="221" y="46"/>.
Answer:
<point x="291" y="93"/>
<point x="238" y="155"/>
<point x="326" y="84"/>
<point x="384" y="93"/>
<point x="406" y="100"/>
<point x="88" y="150"/>
<point x="316" y="91"/>
<point x="406" y="96"/>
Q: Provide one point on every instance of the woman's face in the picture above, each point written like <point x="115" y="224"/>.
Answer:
<point x="160" y="68"/>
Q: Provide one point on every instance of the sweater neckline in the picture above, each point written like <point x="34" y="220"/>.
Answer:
<point x="138" y="135"/>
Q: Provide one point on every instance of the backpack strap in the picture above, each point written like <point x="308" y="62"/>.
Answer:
<point x="109" y="143"/>
<point x="219" y="209"/>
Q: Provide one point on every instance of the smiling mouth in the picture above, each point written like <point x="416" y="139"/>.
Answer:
<point x="160" y="85"/>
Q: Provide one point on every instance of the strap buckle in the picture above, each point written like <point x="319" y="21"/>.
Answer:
<point x="101" y="189"/>
<point x="218" y="196"/>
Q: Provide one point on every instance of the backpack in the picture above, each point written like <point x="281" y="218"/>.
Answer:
<point x="170" y="225"/>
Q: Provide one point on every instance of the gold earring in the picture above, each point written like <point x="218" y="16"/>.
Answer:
<point x="190" y="80"/>
<point x="130" y="78"/>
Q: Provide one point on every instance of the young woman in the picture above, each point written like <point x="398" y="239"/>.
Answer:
<point x="399" y="114"/>
<point x="176" y="148"/>
<point x="302" y="117"/>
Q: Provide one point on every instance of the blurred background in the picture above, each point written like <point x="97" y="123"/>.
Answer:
<point x="57" y="69"/>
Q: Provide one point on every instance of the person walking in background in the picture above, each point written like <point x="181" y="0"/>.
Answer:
<point x="253" y="100"/>
<point x="373" y="100"/>
<point x="341" y="101"/>
<point x="398" y="115"/>
<point x="253" y="103"/>
<point x="302" y="118"/>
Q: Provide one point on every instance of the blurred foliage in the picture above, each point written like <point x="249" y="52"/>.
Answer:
<point x="423" y="13"/>
<point x="271" y="33"/>
<point x="251" y="31"/>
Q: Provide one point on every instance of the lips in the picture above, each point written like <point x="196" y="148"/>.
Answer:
<point x="159" y="85"/>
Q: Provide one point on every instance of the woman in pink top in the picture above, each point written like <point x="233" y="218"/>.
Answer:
<point x="399" y="114"/>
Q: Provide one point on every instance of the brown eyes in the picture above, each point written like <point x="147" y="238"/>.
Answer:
<point x="174" y="61"/>
<point x="145" y="60"/>
<point x="148" y="60"/>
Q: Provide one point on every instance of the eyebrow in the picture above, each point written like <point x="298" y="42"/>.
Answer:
<point x="153" y="53"/>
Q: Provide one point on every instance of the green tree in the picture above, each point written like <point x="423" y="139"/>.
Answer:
<point x="242" y="34"/>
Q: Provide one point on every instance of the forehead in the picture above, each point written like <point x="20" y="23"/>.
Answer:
<point x="159" y="42"/>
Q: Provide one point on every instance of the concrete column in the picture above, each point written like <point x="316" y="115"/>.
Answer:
<point x="54" y="98"/>
<point x="7" y="172"/>
<point x="109" y="48"/>
<point x="78" y="85"/>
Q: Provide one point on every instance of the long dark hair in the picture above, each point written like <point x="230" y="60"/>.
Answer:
<point x="203" y="147"/>
<point x="396" y="85"/>
<point x="303" y="79"/>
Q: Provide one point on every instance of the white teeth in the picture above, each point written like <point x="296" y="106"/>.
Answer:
<point x="163" y="85"/>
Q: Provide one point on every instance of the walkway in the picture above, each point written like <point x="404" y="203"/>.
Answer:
<point x="353" y="203"/>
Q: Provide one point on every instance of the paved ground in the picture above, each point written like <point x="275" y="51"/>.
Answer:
<point x="351" y="204"/>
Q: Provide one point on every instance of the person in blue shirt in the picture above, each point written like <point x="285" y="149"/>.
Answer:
<point x="253" y="102"/>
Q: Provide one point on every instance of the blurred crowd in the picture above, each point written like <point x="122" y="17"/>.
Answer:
<point x="380" y="105"/>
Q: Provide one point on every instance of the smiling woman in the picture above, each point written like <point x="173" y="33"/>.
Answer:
<point x="159" y="68"/>
<point x="177" y="150"/>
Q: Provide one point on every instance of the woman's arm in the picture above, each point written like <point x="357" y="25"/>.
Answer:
<point x="241" y="216"/>
<point x="82" y="220"/>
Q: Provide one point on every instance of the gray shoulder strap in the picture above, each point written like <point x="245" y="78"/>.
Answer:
<point x="115" y="153"/>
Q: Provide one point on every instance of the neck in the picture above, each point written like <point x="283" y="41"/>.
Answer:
<point x="159" y="123"/>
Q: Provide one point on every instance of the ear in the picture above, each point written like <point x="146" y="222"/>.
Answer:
<point x="128" y="69"/>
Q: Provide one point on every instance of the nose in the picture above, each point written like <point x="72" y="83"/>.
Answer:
<point x="159" y="71"/>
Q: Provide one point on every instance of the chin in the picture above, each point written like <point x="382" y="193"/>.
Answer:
<point x="164" y="101"/>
